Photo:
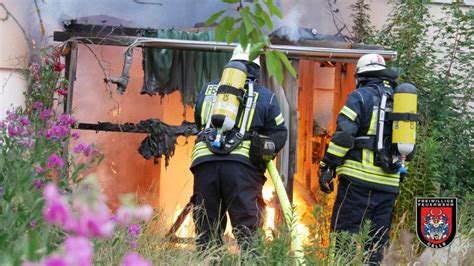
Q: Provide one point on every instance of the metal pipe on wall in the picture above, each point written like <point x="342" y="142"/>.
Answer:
<point x="293" y="52"/>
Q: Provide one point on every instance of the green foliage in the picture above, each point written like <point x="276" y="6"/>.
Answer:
<point x="434" y="54"/>
<point x="452" y="87"/>
<point x="153" y="245"/>
<point x="28" y="138"/>
<point x="249" y="28"/>
<point x="362" y="29"/>
<point x="441" y="70"/>
<point x="344" y="248"/>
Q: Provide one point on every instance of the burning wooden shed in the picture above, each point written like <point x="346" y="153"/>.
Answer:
<point x="310" y="104"/>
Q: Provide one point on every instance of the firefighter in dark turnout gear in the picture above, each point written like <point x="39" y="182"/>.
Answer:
<point x="231" y="180"/>
<point x="368" y="177"/>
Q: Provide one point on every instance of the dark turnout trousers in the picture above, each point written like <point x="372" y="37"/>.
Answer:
<point x="221" y="186"/>
<point x="355" y="204"/>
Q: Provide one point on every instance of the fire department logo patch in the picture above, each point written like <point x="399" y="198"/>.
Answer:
<point x="436" y="221"/>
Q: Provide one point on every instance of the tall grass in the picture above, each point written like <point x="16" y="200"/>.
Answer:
<point x="154" y="245"/>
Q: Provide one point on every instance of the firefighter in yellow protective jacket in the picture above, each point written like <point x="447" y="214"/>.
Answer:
<point x="242" y="127"/>
<point x="363" y="155"/>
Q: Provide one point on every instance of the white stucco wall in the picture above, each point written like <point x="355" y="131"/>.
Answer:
<point x="13" y="57"/>
<point x="323" y="15"/>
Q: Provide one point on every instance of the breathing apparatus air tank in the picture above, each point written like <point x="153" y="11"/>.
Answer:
<point x="404" y="121"/>
<point x="228" y="99"/>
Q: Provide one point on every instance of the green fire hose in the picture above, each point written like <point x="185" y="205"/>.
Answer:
<point x="290" y="216"/>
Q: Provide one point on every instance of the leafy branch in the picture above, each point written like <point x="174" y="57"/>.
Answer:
<point x="246" y="23"/>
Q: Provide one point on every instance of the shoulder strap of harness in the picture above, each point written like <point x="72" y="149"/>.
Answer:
<point x="213" y="103"/>
<point x="376" y="143"/>
<point x="248" y="106"/>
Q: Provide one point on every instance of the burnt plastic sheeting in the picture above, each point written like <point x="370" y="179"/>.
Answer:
<point x="168" y="70"/>
<point x="160" y="141"/>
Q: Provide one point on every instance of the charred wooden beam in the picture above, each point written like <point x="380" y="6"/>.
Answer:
<point x="76" y="26"/>
<point x="185" y="129"/>
<point x="70" y="73"/>
<point x="180" y="219"/>
<point x="94" y="38"/>
<point x="71" y="69"/>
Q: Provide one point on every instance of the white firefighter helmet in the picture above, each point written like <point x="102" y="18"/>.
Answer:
<point x="370" y="62"/>
<point x="240" y="54"/>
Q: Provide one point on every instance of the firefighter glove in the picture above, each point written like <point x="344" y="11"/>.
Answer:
<point x="326" y="178"/>
<point x="262" y="149"/>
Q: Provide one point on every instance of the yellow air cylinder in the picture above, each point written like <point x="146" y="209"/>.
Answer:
<point x="229" y="91"/>
<point x="404" y="130"/>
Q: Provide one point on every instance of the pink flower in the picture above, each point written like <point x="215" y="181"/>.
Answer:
<point x="144" y="212"/>
<point x="79" y="250"/>
<point x="66" y="120"/>
<point x="87" y="150"/>
<point x="126" y="214"/>
<point x="3" y="125"/>
<point x="27" y="263"/>
<point x="58" y="66"/>
<point x="37" y="105"/>
<point x="54" y="261"/>
<point x="54" y="161"/>
<point x="56" y="212"/>
<point x="134" y="230"/>
<point x="79" y="148"/>
<point x="62" y="92"/>
<point x="57" y="132"/>
<point x="37" y="184"/>
<point x="56" y="209"/>
<point x="133" y="244"/>
<point x="75" y="135"/>
<point x="91" y="223"/>
<point x="91" y="218"/>
<point x="33" y="224"/>
<point x="84" y="148"/>
<point x="51" y="193"/>
<point x="24" y="120"/>
<point x="45" y="115"/>
<point x="11" y="115"/>
<point x="133" y="259"/>
<point x="35" y="67"/>
<point x="39" y="169"/>
<point x="14" y="131"/>
<point x="102" y="228"/>
<point x="27" y="142"/>
<point x="87" y="216"/>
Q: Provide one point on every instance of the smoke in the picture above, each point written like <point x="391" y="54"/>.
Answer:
<point x="289" y="26"/>
<point x="168" y="14"/>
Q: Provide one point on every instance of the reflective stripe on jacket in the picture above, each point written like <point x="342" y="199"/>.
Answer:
<point x="358" y="119"/>
<point x="265" y="117"/>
